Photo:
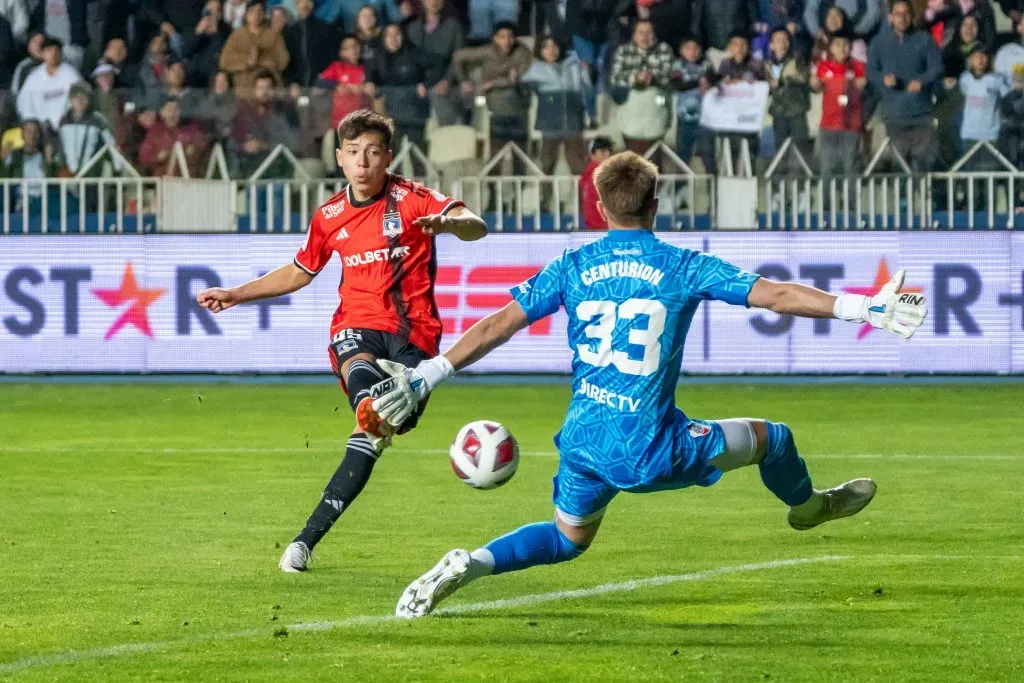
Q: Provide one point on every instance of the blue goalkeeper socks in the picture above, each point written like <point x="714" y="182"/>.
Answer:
<point x="782" y="469"/>
<point x="528" y="546"/>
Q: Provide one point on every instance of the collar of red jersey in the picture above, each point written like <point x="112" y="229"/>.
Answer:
<point x="370" y="200"/>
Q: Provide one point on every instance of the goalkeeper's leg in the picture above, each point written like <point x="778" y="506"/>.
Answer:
<point x="528" y="546"/>
<point x="771" y="446"/>
<point x="361" y="454"/>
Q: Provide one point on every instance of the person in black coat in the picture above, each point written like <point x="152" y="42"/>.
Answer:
<point x="202" y="45"/>
<point x="306" y="39"/>
<point x="399" y="72"/>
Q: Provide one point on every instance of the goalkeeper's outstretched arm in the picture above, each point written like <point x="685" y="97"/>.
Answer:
<point x="487" y="335"/>
<point x="889" y="310"/>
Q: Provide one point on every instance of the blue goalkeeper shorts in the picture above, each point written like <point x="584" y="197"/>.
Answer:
<point x="582" y="492"/>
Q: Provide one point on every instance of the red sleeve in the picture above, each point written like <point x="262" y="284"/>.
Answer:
<point x="820" y="73"/>
<point x="858" y="69"/>
<point x="316" y="250"/>
<point x="434" y="202"/>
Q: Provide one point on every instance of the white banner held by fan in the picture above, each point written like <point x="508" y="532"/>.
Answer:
<point x="735" y="108"/>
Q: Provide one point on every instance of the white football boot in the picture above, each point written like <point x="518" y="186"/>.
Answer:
<point x="842" y="501"/>
<point x="295" y="558"/>
<point x="423" y="594"/>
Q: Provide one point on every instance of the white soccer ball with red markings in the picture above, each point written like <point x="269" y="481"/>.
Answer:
<point x="484" y="454"/>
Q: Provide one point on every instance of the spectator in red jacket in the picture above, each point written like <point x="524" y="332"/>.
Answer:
<point x="348" y="80"/>
<point x="158" y="148"/>
<point x="600" y="149"/>
<point x="841" y="80"/>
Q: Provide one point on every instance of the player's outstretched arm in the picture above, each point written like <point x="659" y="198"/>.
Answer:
<point x="460" y="221"/>
<point x="284" y="280"/>
<point x="889" y="310"/>
<point x="396" y="398"/>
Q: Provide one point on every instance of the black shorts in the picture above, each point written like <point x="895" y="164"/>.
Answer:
<point x="351" y="342"/>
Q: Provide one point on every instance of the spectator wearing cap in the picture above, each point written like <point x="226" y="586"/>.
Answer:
<point x="600" y="149"/>
<point x="347" y="78"/>
<point x="561" y="85"/>
<point x="714" y="21"/>
<point x="111" y="102"/>
<point x="643" y="68"/>
<point x="399" y="72"/>
<point x="253" y="49"/>
<point x="202" y="45"/>
<point x="261" y="125"/>
<point x="789" y="79"/>
<point x="305" y="39"/>
<point x="157" y="151"/>
<point x="44" y="94"/>
<point x="115" y="54"/>
<point x="690" y="79"/>
<point x="494" y="71"/>
<point x="904" y="66"/>
<point x="33" y="59"/>
<point x="438" y="35"/>
<point x="841" y="81"/>
<point x="83" y="131"/>
<point x="486" y="15"/>
<point x="866" y="15"/>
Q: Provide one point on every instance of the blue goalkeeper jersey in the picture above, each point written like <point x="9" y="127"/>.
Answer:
<point x="630" y="298"/>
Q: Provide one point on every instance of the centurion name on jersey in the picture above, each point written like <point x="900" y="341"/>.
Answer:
<point x="388" y="264"/>
<point x="630" y="299"/>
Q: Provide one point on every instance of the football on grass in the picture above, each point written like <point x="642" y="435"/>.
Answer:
<point x="484" y="454"/>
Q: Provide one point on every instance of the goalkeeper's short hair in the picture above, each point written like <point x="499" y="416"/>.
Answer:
<point x="626" y="184"/>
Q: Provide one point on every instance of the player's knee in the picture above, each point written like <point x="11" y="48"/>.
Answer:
<point x="780" y="441"/>
<point x="362" y="375"/>
<point x="568" y="549"/>
<point x="741" y="444"/>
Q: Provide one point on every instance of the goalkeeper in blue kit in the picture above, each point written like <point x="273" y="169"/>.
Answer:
<point x="630" y="299"/>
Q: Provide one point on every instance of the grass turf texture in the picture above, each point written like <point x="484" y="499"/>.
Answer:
<point x="104" y="541"/>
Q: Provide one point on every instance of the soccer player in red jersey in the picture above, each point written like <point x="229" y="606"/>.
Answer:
<point x="383" y="228"/>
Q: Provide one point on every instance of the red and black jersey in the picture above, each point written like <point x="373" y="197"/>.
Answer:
<point x="388" y="264"/>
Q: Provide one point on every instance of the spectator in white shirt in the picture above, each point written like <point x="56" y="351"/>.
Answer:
<point x="44" y="95"/>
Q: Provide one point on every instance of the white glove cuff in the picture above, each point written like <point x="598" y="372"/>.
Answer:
<point x="435" y="371"/>
<point x="850" y="307"/>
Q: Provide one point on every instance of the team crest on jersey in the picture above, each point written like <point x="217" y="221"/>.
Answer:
<point x="333" y="210"/>
<point x="698" y="430"/>
<point x="392" y="225"/>
<point x="399" y="193"/>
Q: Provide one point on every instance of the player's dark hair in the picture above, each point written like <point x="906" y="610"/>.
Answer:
<point x="626" y="184"/>
<point x="366" y="121"/>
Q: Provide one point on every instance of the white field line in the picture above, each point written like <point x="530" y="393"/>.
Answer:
<point x="399" y="451"/>
<point x="75" y="656"/>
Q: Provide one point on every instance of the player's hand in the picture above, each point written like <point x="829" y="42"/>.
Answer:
<point x="217" y="299"/>
<point x="888" y="310"/>
<point x="394" y="398"/>
<point x="433" y="224"/>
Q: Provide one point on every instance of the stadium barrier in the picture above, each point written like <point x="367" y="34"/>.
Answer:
<point x="126" y="303"/>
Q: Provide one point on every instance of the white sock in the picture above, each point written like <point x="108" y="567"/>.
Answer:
<point x="481" y="564"/>
<point x="812" y="506"/>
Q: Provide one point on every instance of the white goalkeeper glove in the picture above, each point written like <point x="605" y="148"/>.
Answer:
<point x="888" y="310"/>
<point x="397" y="397"/>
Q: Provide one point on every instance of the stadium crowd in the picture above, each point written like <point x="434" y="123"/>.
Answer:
<point x="146" y="74"/>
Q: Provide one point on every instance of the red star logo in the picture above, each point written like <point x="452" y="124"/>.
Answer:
<point x="140" y="298"/>
<point x="882" y="277"/>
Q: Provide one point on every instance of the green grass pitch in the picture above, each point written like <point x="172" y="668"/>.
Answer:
<point x="140" y="527"/>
